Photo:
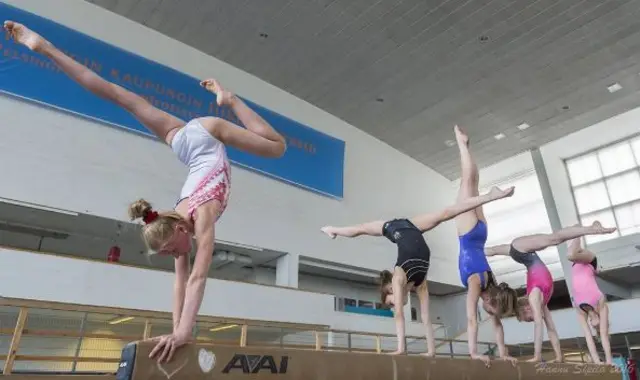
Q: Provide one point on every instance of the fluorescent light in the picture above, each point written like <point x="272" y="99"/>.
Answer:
<point x="238" y="245"/>
<point x="115" y="321"/>
<point x="499" y="136"/>
<point x="523" y="126"/>
<point x="37" y="207"/>
<point x="614" y="87"/>
<point x="449" y="143"/>
<point x="220" y="328"/>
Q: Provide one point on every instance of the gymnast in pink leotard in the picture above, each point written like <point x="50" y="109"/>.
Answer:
<point x="589" y="301"/>
<point x="533" y="307"/>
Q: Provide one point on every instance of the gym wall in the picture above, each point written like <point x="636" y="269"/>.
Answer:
<point x="68" y="162"/>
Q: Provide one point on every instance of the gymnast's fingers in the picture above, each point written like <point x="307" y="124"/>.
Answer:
<point x="158" y="347"/>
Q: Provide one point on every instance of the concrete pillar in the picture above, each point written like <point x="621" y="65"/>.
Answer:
<point x="287" y="270"/>
<point x="552" y="213"/>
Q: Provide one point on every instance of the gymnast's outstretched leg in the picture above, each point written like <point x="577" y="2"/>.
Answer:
<point x="159" y="122"/>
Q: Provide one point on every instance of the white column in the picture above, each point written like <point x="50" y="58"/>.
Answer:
<point x="552" y="213"/>
<point x="287" y="270"/>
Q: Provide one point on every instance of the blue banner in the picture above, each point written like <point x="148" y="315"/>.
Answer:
<point x="313" y="160"/>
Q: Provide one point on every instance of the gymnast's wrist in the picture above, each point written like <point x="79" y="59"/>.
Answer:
<point x="181" y="332"/>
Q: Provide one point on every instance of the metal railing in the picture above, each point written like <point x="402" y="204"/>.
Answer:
<point x="37" y="336"/>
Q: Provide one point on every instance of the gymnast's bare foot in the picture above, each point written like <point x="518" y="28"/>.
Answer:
<point x="497" y="193"/>
<point x="329" y="231"/>
<point x="223" y="97"/>
<point x="598" y="229"/>
<point x="461" y="137"/>
<point x="25" y="36"/>
<point x="429" y="354"/>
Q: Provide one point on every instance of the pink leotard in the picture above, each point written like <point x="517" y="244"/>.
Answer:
<point x="538" y="275"/>
<point x="584" y="285"/>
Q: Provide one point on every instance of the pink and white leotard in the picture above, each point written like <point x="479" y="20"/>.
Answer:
<point x="209" y="170"/>
<point x="584" y="285"/>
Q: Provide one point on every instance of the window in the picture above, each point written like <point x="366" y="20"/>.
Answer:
<point x="606" y="187"/>
<point x="350" y="302"/>
<point x="523" y="214"/>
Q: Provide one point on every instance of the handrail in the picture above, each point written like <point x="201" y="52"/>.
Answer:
<point x="461" y="332"/>
<point x="244" y="337"/>
<point x="103" y="356"/>
<point x="51" y="305"/>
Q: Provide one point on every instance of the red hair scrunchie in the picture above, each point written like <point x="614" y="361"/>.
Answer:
<point x="149" y="216"/>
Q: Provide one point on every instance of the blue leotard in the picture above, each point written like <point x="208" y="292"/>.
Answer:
<point x="472" y="259"/>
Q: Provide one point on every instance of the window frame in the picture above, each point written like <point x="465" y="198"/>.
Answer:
<point x="611" y="208"/>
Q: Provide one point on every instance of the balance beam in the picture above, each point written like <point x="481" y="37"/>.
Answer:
<point x="193" y="362"/>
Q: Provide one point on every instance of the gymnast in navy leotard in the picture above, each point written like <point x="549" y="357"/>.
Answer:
<point x="475" y="272"/>
<point x="412" y="263"/>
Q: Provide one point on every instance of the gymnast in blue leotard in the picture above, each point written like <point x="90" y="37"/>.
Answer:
<point x="475" y="272"/>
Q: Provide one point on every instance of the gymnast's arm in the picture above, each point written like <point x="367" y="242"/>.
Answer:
<point x="577" y="254"/>
<point x="179" y="288"/>
<point x="499" y="331"/>
<point x="205" y="236"/>
<point x="398" y="314"/>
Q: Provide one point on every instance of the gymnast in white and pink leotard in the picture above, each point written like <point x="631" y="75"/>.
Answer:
<point x="200" y="145"/>
<point x="588" y="299"/>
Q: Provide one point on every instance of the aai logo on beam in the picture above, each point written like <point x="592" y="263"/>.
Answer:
<point x="257" y="363"/>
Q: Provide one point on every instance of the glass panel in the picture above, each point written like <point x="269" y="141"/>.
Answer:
<point x="367" y="304"/>
<point x="527" y="191"/>
<point x="628" y="218"/>
<point x="616" y="158"/>
<point x="624" y="188"/>
<point x="636" y="149"/>
<point x="591" y="197"/>
<point x="607" y="220"/>
<point x="584" y="169"/>
<point x="522" y="214"/>
<point x="527" y="220"/>
<point x="221" y="333"/>
<point x="350" y="302"/>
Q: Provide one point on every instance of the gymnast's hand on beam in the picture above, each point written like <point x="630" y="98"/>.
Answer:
<point x="166" y="347"/>
<point x="485" y="359"/>
<point x="511" y="359"/>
